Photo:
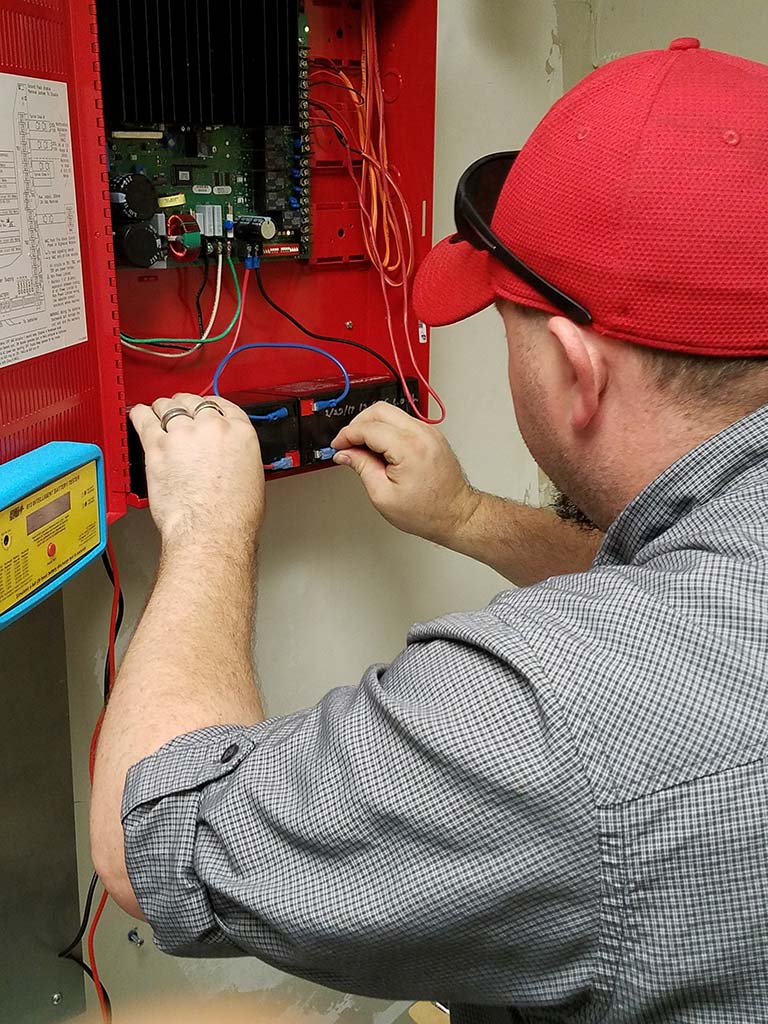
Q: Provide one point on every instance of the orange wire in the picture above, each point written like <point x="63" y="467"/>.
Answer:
<point x="386" y="220"/>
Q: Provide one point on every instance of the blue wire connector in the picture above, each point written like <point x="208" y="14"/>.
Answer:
<point x="281" y="465"/>
<point x="324" y="454"/>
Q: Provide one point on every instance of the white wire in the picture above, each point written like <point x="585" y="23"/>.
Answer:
<point x="206" y="333"/>
<point x="217" y="298"/>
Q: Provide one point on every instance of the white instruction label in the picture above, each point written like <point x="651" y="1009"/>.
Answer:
<point x="42" y="308"/>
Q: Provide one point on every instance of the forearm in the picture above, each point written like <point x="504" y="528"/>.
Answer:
<point x="523" y="544"/>
<point x="188" y="666"/>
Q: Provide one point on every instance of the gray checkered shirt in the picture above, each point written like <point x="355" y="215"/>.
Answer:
<point x="555" y="809"/>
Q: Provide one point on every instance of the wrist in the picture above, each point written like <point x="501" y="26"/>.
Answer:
<point x="457" y="528"/>
<point x="214" y="547"/>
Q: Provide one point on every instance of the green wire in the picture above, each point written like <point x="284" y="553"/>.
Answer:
<point x="194" y="341"/>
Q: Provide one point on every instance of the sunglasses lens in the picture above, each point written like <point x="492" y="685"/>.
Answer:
<point x="485" y="183"/>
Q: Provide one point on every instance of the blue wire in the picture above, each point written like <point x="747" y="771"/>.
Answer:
<point x="280" y="414"/>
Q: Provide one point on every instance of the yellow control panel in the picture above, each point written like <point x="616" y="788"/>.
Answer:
<point x="45" y="533"/>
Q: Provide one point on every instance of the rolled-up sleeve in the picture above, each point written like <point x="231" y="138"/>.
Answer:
<point x="428" y="833"/>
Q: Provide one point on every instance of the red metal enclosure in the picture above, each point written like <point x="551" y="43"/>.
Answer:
<point x="78" y="393"/>
<point x="75" y="393"/>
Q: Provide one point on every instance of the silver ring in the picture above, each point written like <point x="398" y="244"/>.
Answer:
<point x="208" y="404"/>
<point x="172" y="414"/>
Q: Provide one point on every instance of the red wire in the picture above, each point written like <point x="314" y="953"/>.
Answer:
<point x="92" y="957"/>
<point x="110" y="655"/>
<point x="91" y="762"/>
<point x="240" y="319"/>
<point x="95" y="742"/>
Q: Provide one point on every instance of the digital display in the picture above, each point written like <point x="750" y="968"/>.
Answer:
<point x="42" y="516"/>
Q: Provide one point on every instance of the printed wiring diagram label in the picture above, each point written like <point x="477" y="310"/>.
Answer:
<point x="42" y="307"/>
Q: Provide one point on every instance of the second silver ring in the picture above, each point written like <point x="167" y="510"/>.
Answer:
<point x="207" y="404"/>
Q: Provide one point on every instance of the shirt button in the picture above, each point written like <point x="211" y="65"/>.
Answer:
<point x="229" y="753"/>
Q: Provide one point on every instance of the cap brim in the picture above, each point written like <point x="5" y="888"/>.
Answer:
<point x="453" y="283"/>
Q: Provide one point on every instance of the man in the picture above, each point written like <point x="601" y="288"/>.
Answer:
<point x="555" y="809"/>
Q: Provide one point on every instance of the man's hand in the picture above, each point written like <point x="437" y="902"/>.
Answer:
<point x="189" y="664"/>
<point x="204" y="475"/>
<point x="415" y="481"/>
<point x="410" y="473"/>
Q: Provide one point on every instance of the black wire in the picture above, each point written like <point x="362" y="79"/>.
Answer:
<point x="89" y="972"/>
<point x="200" y="290"/>
<point x="322" y="337"/>
<point x="86" y="917"/>
<point x="67" y="954"/>
<point x="198" y="307"/>
<point x="118" y="621"/>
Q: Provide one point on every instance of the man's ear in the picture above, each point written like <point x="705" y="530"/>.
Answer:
<point x="585" y="369"/>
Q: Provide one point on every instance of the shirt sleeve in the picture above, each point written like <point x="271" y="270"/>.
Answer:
<point x="426" y="834"/>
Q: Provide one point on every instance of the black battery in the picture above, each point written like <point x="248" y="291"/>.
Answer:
<point x="318" y="428"/>
<point x="279" y="438"/>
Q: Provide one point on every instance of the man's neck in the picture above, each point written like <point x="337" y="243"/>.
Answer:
<point x="647" y="450"/>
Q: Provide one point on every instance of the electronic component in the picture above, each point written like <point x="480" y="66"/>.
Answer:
<point x="278" y="438"/>
<point x="133" y="198"/>
<point x="183" y="175"/>
<point x="216" y="126"/>
<point x="184" y="242"/>
<point x="138" y="244"/>
<point x="211" y="220"/>
<point x="52" y="522"/>
<point x="255" y="230"/>
<point x="318" y="428"/>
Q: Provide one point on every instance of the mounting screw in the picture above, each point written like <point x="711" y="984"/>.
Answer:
<point x="350" y="325"/>
<point x="135" y="938"/>
<point x="56" y="998"/>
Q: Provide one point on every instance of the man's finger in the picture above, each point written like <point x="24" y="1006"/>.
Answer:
<point x="371" y="468"/>
<point x="162" y="406"/>
<point x="146" y="423"/>
<point x="388" y="441"/>
<point x="381" y="412"/>
<point x="230" y="409"/>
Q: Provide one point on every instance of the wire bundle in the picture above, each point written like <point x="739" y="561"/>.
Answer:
<point x="188" y="346"/>
<point x="386" y="219"/>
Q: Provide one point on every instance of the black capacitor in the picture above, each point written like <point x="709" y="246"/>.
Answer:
<point x="138" y="244"/>
<point x="133" y="198"/>
<point x="254" y="230"/>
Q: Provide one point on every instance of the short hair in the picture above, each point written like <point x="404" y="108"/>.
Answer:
<point x="718" y="380"/>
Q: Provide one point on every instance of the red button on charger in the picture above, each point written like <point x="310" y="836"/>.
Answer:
<point x="51" y="550"/>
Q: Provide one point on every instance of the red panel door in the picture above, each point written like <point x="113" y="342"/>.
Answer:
<point x="49" y="392"/>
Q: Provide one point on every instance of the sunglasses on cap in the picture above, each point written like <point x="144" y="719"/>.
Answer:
<point x="477" y="195"/>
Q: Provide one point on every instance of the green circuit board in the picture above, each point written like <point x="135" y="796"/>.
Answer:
<point x="239" y="171"/>
<point x="211" y="166"/>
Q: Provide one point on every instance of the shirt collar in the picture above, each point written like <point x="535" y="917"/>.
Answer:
<point x="691" y="481"/>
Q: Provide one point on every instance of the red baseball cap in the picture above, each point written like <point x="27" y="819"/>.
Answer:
<point x="643" y="195"/>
